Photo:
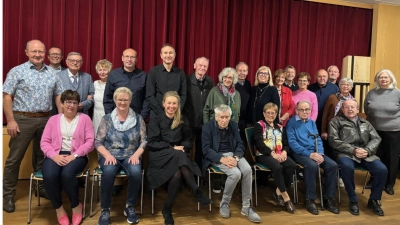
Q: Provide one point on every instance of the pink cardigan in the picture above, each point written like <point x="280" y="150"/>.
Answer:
<point x="309" y="96"/>
<point x="82" y="139"/>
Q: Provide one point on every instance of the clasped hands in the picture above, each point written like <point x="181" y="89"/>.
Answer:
<point x="229" y="161"/>
<point x="318" y="158"/>
<point x="279" y="157"/>
<point x="360" y="153"/>
<point x="63" y="160"/>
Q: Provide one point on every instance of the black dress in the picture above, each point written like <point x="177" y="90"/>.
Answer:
<point x="163" y="160"/>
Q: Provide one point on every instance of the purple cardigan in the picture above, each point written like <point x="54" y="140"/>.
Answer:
<point x="82" y="139"/>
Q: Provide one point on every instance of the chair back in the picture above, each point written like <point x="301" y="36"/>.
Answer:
<point x="250" y="142"/>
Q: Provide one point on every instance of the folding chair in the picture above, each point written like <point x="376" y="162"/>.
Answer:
<point x="38" y="176"/>
<point x="261" y="167"/>
<point x="96" y="177"/>
<point x="212" y="170"/>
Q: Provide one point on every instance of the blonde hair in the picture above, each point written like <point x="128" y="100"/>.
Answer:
<point x="270" y="105"/>
<point x="256" y="82"/>
<point x="178" y="116"/>
<point x="104" y="63"/>
<point x="122" y="90"/>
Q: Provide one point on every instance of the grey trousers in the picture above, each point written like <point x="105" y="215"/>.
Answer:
<point x="31" y="130"/>
<point x="242" y="170"/>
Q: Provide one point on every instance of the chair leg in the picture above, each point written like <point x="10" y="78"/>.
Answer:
<point x="338" y="186"/>
<point x="209" y="187"/>
<point x="152" y="202"/>
<point x="255" y="185"/>
<point x="294" y="187"/>
<point x="365" y="182"/>
<point x="141" y="196"/>
<point x="37" y="192"/>
<point x="84" y="198"/>
<point x="30" y="199"/>
<point x="198" y="203"/>
<point x="91" y="197"/>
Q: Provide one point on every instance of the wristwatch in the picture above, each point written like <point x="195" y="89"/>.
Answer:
<point x="237" y="159"/>
<point x="76" y="155"/>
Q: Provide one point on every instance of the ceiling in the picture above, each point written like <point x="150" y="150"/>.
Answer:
<point x="389" y="2"/>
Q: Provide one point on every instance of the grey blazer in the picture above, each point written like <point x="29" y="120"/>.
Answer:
<point x="85" y="87"/>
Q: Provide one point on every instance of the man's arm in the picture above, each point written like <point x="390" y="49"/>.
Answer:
<point x="292" y="139"/>
<point x="58" y="103"/>
<point x="108" y="97"/>
<point x="151" y="92"/>
<point x="374" y="140"/>
<point x="207" y="143"/>
<point x="86" y="104"/>
<point x="183" y="89"/>
<point x="12" y="125"/>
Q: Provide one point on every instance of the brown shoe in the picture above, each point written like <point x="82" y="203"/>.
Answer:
<point x="290" y="207"/>
<point x="278" y="199"/>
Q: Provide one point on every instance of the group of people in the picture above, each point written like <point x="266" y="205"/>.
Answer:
<point x="190" y="110"/>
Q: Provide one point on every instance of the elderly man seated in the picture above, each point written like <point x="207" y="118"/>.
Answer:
<point x="354" y="142"/>
<point x="223" y="147"/>
<point x="297" y="129"/>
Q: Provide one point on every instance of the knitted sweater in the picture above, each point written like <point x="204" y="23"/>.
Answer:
<point x="382" y="107"/>
<point x="309" y="96"/>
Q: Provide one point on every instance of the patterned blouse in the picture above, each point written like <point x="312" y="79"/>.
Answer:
<point x="123" y="144"/>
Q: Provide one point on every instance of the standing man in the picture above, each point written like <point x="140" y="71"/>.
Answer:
<point x="334" y="74"/>
<point x="79" y="81"/>
<point x="304" y="153"/>
<point x="289" y="81"/>
<point x="322" y="90"/>
<point x="27" y="100"/>
<point x="243" y="86"/>
<point x="355" y="141"/>
<point x="198" y="86"/>
<point x="131" y="77"/>
<point x="163" y="78"/>
<point x="55" y="56"/>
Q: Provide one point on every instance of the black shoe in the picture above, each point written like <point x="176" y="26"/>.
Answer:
<point x="331" y="205"/>
<point x="8" y="204"/>
<point x="311" y="207"/>
<point x="278" y="199"/>
<point x="42" y="193"/>
<point x="290" y="207"/>
<point x="376" y="208"/>
<point x="389" y="190"/>
<point x="167" y="214"/>
<point x="200" y="197"/>
<point x="353" y="208"/>
<point x="369" y="184"/>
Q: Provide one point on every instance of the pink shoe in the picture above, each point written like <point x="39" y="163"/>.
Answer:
<point x="63" y="220"/>
<point x="77" y="217"/>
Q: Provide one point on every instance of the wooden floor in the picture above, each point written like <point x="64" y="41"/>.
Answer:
<point x="185" y="209"/>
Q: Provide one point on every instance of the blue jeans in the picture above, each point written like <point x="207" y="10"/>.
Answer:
<point x="330" y="168"/>
<point x="376" y="168"/>
<point x="57" y="178"/>
<point x="133" y="173"/>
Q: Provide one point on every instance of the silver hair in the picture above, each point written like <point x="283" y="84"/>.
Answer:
<point x="303" y="101"/>
<point x="346" y="80"/>
<point x="227" y="71"/>
<point x="392" y="85"/>
<point x="242" y="63"/>
<point x="202" y="58"/>
<point x="331" y="67"/>
<point x="74" y="53"/>
<point x="221" y="109"/>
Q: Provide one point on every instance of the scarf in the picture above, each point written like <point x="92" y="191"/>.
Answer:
<point x="229" y="94"/>
<point x="341" y="100"/>
<point x="127" y="124"/>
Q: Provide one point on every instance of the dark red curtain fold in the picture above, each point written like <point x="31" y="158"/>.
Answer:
<point x="307" y="35"/>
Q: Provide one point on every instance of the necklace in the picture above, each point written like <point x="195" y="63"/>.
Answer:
<point x="262" y="90"/>
<point x="69" y="128"/>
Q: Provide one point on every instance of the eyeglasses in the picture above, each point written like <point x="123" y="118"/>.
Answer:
<point x="74" y="61"/>
<point x="123" y="100"/>
<point x="270" y="113"/>
<point x="303" y="110"/>
<point x="227" y="78"/>
<point x="37" y="52"/>
<point x="349" y="107"/>
<point x="71" y="103"/>
<point x="55" y="54"/>
<point x="263" y="74"/>
<point x="129" y="57"/>
<point x="383" y="78"/>
<point x="345" y="84"/>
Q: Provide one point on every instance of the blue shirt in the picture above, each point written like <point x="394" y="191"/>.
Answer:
<point x="297" y="134"/>
<point x="33" y="89"/>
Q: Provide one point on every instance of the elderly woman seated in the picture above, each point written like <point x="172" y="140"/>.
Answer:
<point x="66" y="141"/>
<point x="120" y="142"/>
<point x="272" y="148"/>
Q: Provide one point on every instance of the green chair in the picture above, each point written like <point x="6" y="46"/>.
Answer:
<point x="261" y="167"/>
<point x="96" y="177"/>
<point x="38" y="176"/>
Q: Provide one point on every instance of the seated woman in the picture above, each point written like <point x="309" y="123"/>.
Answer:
<point x="66" y="141"/>
<point x="120" y="142"/>
<point x="170" y="140"/>
<point x="272" y="147"/>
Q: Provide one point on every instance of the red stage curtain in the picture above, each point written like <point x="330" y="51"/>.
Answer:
<point x="307" y="35"/>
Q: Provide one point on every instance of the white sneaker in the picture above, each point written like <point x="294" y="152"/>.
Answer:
<point x="341" y="184"/>
<point x="217" y="191"/>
